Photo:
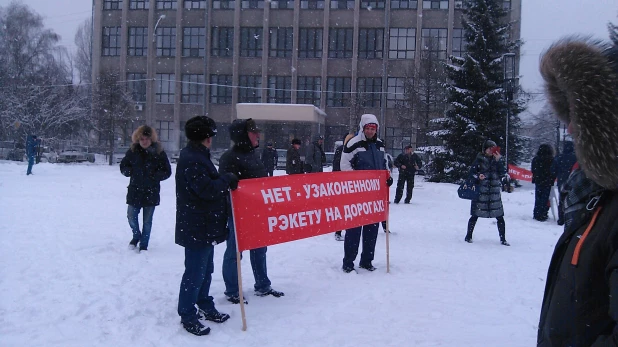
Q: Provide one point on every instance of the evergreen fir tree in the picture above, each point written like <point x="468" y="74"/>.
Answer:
<point x="477" y="106"/>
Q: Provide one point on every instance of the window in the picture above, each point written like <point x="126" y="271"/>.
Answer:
<point x="223" y="4"/>
<point x="411" y="4"/>
<point x="340" y="43"/>
<point x="138" y="41"/>
<point x="250" y="88"/>
<point x="289" y="4"/>
<point x="252" y="4"/>
<point x="373" y="4"/>
<point x="309" y="89"/>
<point x="459" y="44"/>
<point x="433" y="42"/>
<point x="166" y="4"/>
<point x="506" y="5"/>
<point x="164" y="130"/>
<point x="280" y="89"/>
<point x="435" y="4"/>
<point x="310" y="43"/>
<point x="459" y="4"/>
<point x="219" y="93"/>
<point x="112" y="5"/>
<point x="194" y="42"/>
<point x="369" y="91"/>
<point x="342" y="5"/>
<point x="166" y="42"/>
<point x="312" y="4"/>
<point x="165" y="88"/>
<point x="111" y="41"/>
<point x="371" y="43"/>
<point x="395" y="87"/>
<point x="281" y="42"/>
<point x="139" y="4"/>
<point x="222" y="42"/>
<point x="402" y="43"/>
<point x="195" y="4"/>
<point x="251" y="42"/>
<point x="192" y="89"/>
<point x="338" y="91"/>
<point x="136" y="86"/>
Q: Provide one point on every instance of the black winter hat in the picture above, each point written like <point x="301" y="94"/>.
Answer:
<point x="489" y="144"/>
<point x="200" y="128"/>
<point x="296" y="142"/>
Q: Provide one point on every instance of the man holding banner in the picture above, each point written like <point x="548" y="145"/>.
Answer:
<point x="243" y="161"/>
<point x="363" y="152"/>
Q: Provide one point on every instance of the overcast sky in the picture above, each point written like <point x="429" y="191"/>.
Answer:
<point x="543" y="22"/>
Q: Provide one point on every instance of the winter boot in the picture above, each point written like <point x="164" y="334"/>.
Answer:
<point x="503" y="242"/>
<point x="196" y="328"/>
<point x="270" y="291"/>
<point x="235" y="299"/>
<point x="347" y="269"/>
<point x="367" y="267"/>
<point x="133" y="244"/>
<point x="338" y="236"/>
<point x="215" y="316"/>
<point x="471" y="225"/>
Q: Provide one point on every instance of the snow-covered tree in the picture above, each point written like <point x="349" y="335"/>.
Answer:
<point x="477" y="108"/>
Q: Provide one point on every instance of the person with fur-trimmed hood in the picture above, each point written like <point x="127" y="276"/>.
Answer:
<point x="579" y="304"/>
<point x="488" y="170"/>
<point x="147" y="165"/>
<point x="363" y="152"/>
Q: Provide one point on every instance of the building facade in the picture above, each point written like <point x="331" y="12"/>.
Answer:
<point x="182" y="58"/>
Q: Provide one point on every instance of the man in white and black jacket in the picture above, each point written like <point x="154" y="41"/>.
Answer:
<point x="363" y="152"/>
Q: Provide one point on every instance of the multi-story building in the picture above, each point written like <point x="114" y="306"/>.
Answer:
<point x="183" y="58"/>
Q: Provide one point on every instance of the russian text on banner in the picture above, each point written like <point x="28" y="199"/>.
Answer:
<point x="519" y="173"/>
<point x="273" y="210"/>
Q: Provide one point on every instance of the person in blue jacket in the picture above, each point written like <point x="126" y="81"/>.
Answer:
<point x="201" y="223"/>
<point x="364" y="151"/>
<point x="31" y="148"/>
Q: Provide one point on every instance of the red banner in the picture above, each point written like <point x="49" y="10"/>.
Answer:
<point x="519" y="173"/>
<point x="273" y="210"/>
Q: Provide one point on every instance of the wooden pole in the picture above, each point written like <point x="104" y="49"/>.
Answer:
<point x="239" y="271"/>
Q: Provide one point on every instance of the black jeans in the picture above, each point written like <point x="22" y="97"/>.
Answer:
<point x="501" y="227"/>
<point x="541" y="201"/>
<point x="403" y="180"/>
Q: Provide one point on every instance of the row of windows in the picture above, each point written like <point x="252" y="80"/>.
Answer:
<point x="279" y="89"/>
<point x="286" y="4"/>
<point x="340" y="45"/>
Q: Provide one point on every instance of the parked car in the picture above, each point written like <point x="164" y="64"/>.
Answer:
<point x="119" y="153"/>
<point x="282" y="155"/>
<point x="10" y="150"/>
<point x="329" y="159"/>
<point x="48" y="155"/>
<point x="78" y="154"/>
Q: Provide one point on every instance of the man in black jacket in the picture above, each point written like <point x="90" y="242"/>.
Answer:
<point x="201" y="222"/>
<point x="561" y="168"/>
<point x="407" y="163"/>
<point x="293" y="164"/>
<point x="242" y="161"/>
<point x="147" y="165"/>
<point x="315" y="156"/>
<point x="269" y="158"/>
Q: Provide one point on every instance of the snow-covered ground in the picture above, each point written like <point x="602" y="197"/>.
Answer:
<point x="68" y="279"/>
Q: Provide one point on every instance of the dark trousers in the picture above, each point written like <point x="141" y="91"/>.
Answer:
<point x="541" y="201"/>
<point x="230" y="269"/>
<point x="30" y="163"/>
<point x="144" y="236"/>
<point x="352" y="241"/>
<point x="501" y="227"/>
<point x="195" y="284"/>
<point x="403" y="180"/>
<point x="270" y="172"/>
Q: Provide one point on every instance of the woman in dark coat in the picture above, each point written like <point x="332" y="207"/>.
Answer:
<point x="543" y="180"/>
<point x="147" y="165"/>
<point x="488" y="170"/>
<point x="579" y="305"/>
<point x="201" y="223"/>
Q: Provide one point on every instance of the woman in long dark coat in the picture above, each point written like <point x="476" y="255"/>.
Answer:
<point x="543" y="180"/>
<point x="487" y="170"/>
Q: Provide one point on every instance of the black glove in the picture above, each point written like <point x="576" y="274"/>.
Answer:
<point x="389" y="181"/>
<point x="233" y="179"/>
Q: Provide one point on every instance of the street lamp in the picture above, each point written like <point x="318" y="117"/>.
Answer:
<point x="508" y="64"/>
<point x="149" y="68"/>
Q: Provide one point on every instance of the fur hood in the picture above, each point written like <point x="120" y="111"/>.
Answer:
<point x="150" y="132"/>
<point x="581" y="82"/>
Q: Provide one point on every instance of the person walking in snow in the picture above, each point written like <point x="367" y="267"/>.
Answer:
<point x="147" y="165"/>
<point x="407" y="163"/>
<point x="561" y="167"/>
<point x="201" y="223"/>
<point x="32" y="142"/>
<point x="269" y="158"/>
<point x="487" y="169"/>
<point x="543" y="180"/>
<point x="242" y="161"/>
<point x="579" y="304"/>
<point x="363" y="152"/>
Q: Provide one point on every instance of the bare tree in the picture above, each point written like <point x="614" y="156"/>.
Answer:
<point x="543" y="128"/>
<point x="83" y="60"/>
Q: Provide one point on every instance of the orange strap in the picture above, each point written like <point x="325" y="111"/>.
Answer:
<point x="580" y="243"/>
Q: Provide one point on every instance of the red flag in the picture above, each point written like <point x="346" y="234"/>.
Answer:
<point x="274" y="210"/>
<point x="519" y="173"/>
